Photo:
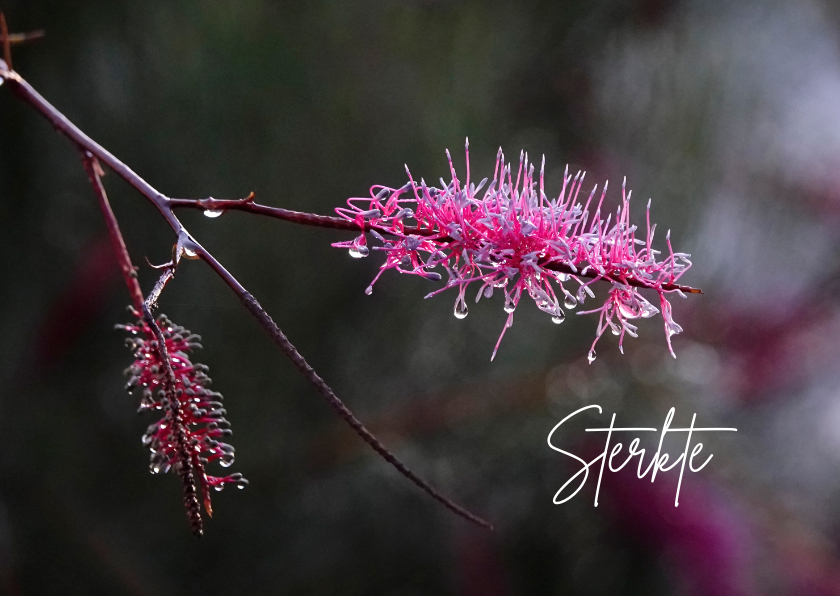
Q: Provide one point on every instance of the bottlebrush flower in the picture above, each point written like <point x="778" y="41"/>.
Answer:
<point x="187" y="438"/>
<point x="512" y="238"/>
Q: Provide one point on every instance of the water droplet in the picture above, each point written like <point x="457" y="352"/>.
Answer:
<point x="510" y="305"/>
<point x="461" y="310"/>
<point x="358" y="252"/>
<point x="648" y="310"/>
<point x="213" y="212"/>
<point x="570" y="301"/>
<point x="369" y="290"/>
<point x="189" y="253"/>
<point x="240" y="486"/>
<point x="615" y="329"/>
<point x="559" y="317"/>
<point x="591" y="356"/>
<point x="218" y="487"/>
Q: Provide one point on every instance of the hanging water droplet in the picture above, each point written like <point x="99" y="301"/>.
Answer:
<point x="648" y="310"/>
<point x="240" y="486"/>
<point x="358" y="252"/>
<point x="369" y="290"/>
<point x="570" y="301"/>
<point x="510" y="305"/>
<point x="615" y="329"/>
<point x="189" y="253"/>
<point x="591" y="356"/>
<point x="461" y="310"/>
<point x="212" y="212"/>
<point x="218" y="488"/>
<point x="558" y="317"/>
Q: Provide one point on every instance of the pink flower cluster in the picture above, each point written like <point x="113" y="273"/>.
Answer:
<point x="188" y="436"/>
<point x="509" y="236"/>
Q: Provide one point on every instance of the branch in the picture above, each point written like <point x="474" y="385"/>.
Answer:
<point x="338" y="223"/>
<point x="188" y="247"/>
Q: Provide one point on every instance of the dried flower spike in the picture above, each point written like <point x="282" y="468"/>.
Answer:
<point x="188" y="437"/>
<point x="516" y="240"/>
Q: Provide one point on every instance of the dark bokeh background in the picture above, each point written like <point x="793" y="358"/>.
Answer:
<point x="725" y="112"/>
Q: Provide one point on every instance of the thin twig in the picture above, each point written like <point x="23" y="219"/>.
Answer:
<point x="6" y="40"/>
<point x="18" y="38"/>
<point x="129" y="272"/>
<point x="337" y="223"/>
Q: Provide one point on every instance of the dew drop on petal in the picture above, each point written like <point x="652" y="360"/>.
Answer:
<point x="510" y="305"/>
<point x="369" y="290"/>
<point x="461" y="310"/>
<point x="559" y="317"/>
<point x="358" y="252"/>
<point x="213" y="212"/>
<point x="591" y="356"/>
<point x="570" y="302"/>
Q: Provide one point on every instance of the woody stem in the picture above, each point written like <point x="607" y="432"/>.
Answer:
<point x="94" y="152"/>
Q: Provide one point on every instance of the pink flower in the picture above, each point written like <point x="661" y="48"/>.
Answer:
<point x="512" y="238"/>
<point x="187" y="438"/>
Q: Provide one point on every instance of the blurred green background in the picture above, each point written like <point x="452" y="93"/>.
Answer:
<point x="724" y="112"/>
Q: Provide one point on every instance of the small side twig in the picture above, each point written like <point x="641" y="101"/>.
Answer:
<point x="6" y="40"/>
<point x="248" y="205"/>
<point x="94" y="171"/>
